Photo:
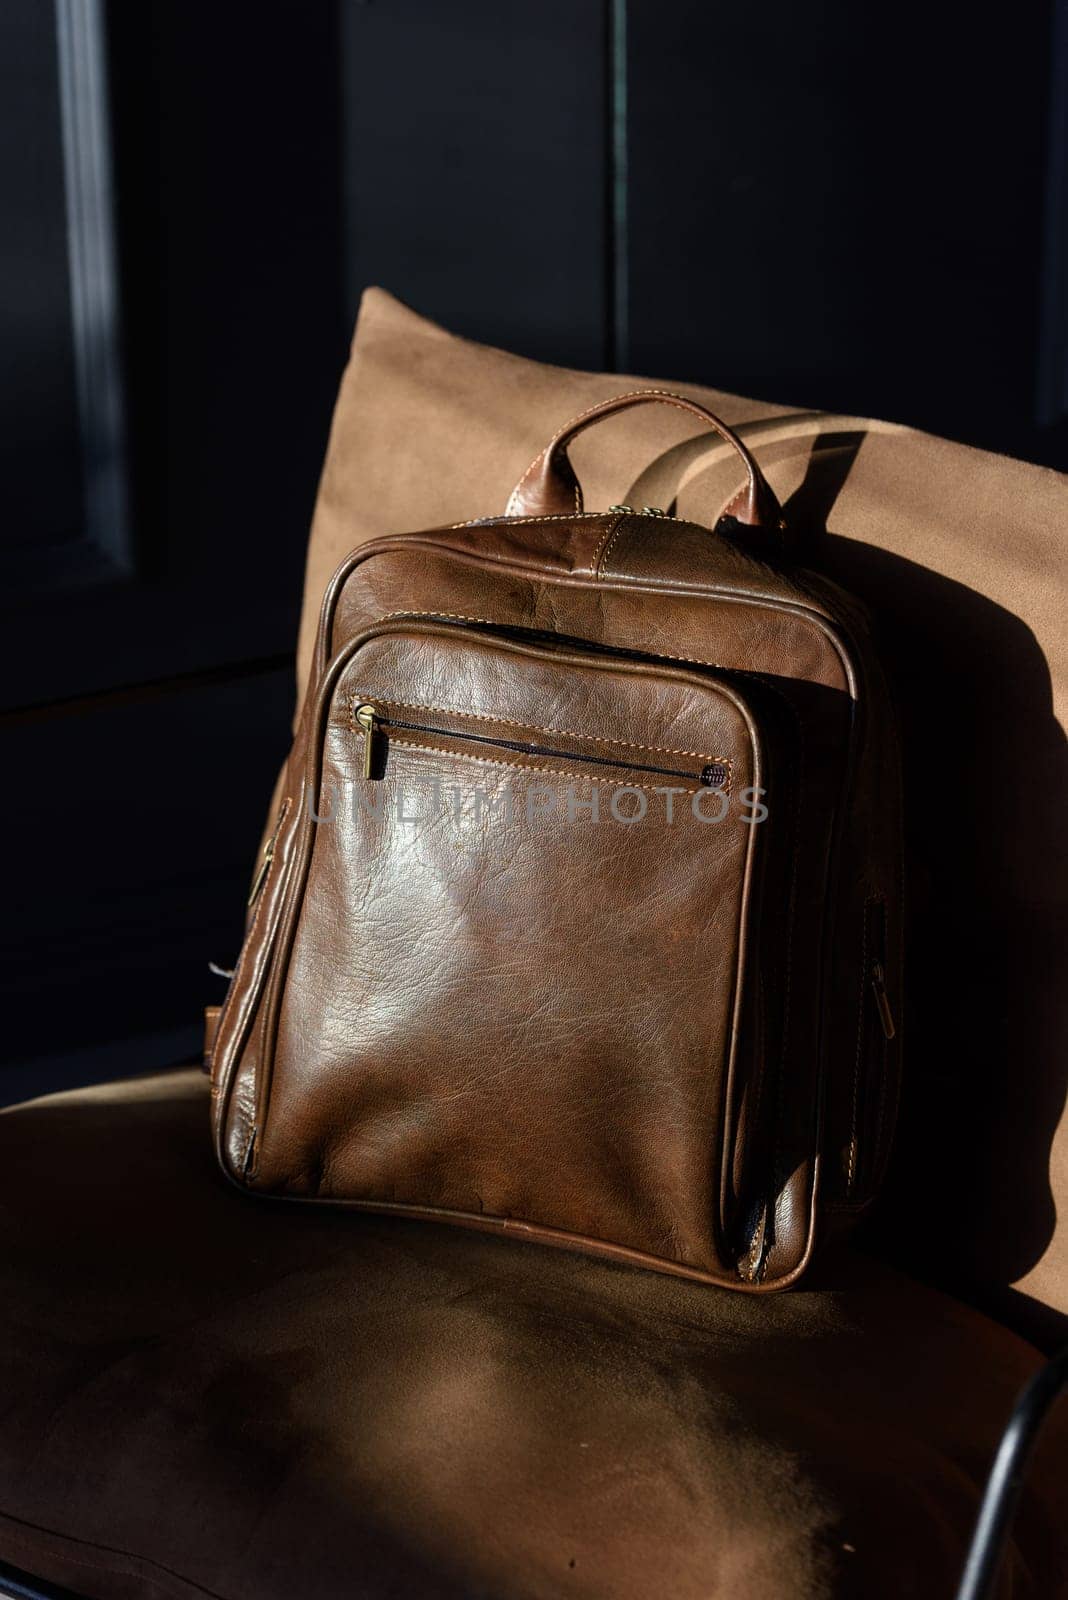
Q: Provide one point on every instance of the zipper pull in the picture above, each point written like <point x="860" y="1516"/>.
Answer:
<point x="882" y="1003"/>
<point x="367" y="717"/>
<point x="266" y="858"/>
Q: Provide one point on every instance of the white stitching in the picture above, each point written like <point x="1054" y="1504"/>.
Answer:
<point x="605" y="541"/>
<point x="692" y="408"/>
<point x="493" y="622"/>
<point x="605" y="549"/>
<point x="549" y="772"/>
<point x="558" y="516"/>
<point x="531" y="727"/>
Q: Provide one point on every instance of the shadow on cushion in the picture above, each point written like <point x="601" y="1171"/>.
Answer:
<point x="209" y="1394"/>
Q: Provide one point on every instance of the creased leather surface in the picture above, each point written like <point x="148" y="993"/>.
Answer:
<point x="201" y="1396"/>
<point x="417" y="1041"/>
<point x="448" y="1018"/>
<point x="960" y="554"/>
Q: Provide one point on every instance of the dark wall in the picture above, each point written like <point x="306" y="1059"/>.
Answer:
<point x="856" y="210"/>
<point x="149" y="622"/>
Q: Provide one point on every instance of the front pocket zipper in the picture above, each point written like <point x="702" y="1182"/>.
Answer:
<point x="373" y="723"/>
<point x="684" y="918"/>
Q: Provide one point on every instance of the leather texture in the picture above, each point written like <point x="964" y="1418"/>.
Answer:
<point x="960" y="554"/>
<point x="549" y="486"/>
<point x="529" y="951"/>
<point x="200" y="1400"/>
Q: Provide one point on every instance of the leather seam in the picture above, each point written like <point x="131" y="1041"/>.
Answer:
<point x="788" y="971"/>
<point x="252" y="997"/>
<point x="492" y="622"/>
<point x="548" y="450"/>
<point x="551" y="772"/>
<point x="668" y="396"/>
<point x="816" y="617"/>
<point x="532" y="727"/>
<point x="552" y="516"/>
<point x="448" y="616"/>
<point x="607" y="542"/>
<point x="549" y="454"/>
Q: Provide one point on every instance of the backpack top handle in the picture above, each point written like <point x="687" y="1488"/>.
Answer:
<point x="549" y="487"/>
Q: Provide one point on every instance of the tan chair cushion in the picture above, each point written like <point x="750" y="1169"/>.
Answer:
<point x="961" y="555"/>
<point x="205" y="1394"/>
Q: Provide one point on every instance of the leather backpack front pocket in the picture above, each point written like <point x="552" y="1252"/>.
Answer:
<point x="511" y="981"/>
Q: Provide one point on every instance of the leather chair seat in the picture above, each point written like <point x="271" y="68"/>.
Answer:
<point x="206" y="1394"/>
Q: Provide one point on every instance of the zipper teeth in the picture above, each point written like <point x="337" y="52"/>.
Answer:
<point x="524" y="748"/>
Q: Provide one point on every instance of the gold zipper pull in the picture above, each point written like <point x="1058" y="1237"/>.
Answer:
<point x="367" y="717"/>
<point x="266" y="857"/>
<point x="882" y="1003"/>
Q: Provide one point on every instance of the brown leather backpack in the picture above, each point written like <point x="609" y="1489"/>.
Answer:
<point x="581" y="918"/>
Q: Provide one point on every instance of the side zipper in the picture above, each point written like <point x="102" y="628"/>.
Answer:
<point x="266" y="858"/>
<point x="882" y="1003"/>
<point x="259" y="883"/>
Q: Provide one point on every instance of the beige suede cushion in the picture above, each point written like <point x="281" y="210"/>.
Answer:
<point x="960" y="554"/>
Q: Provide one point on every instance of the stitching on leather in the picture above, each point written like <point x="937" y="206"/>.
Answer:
<point x="252" y="993"/>
<point x="516" y="492"/>
<point x="517" y="766"/>
<point x="733" y="503"/>
<point x="534" y="727"/>
<point x="605" y="549"/>
<point x="493" y="622"/>
<point x="606" y="539"/>
<point x="450" y="616"/>
<point x="547" y="450"/>
<point x="851" y="1168"/>
<point x="505" y="561"/>
<point x="668" y="396"/>
<point x="788" y="972"/>
<point x="558" y="516"/>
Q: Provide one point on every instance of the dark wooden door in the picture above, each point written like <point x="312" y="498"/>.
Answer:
<point x="173" y="324"/>
<point x="823" y="205"/>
